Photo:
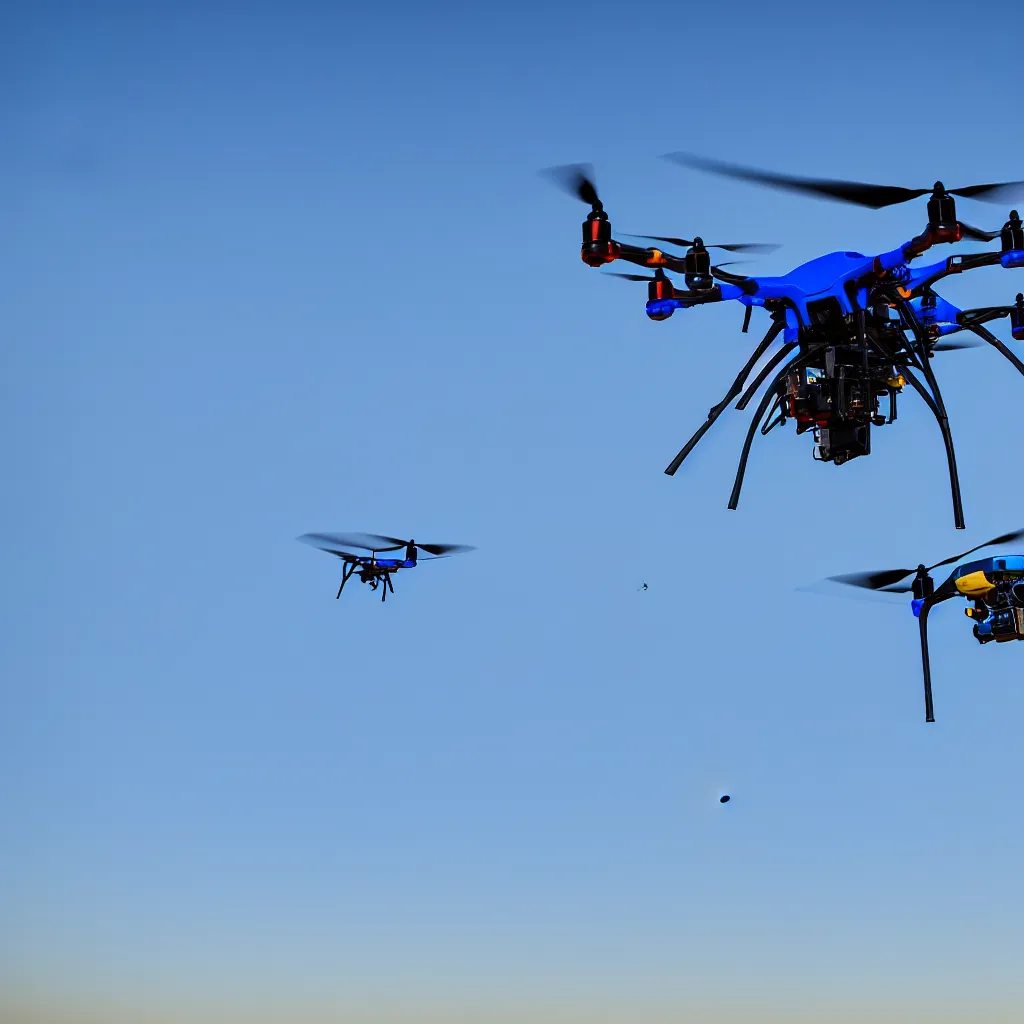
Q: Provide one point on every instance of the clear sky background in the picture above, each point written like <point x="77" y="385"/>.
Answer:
<point x="277" y="268"/>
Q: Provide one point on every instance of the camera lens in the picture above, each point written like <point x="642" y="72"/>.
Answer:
<point x="1017" y="591"/>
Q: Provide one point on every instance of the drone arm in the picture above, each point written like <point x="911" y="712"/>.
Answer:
<point x="777" y="327"/>
<point x="885" y="262"/>
<point x="925" y="276"/>
<point x="932" y="236"/>
<point x="648" y="257"/>
<point x="661" y="309"/>
<point x="982" y="315"/>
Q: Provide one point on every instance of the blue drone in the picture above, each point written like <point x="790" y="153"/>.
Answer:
<point x="855" y="328"/>
<point x="995" y="585"/>
<point x="374" y="571"/>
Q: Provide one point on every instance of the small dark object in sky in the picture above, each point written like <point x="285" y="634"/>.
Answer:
<point x="725" y="799"/>
<point x="644" y="587"/>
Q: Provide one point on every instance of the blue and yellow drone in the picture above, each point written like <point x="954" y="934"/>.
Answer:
<point x="855" y="328"/>
<point x="376" y="572"/>
<point x="995" y="585"/>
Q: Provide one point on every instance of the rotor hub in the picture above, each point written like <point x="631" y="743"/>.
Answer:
<point x="924" y="585"/>
<point x="942" y="213"/>
<point x="1017" y="318"/>
<point x="698" y="266"/>
<point x="1012" y="235"/>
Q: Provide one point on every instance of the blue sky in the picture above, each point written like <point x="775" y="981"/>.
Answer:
<point x="285" y="268"/>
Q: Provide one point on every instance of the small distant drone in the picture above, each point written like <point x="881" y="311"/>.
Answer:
<point x="374" y="571"/>
<point x="995" y="585"/>
<point x="855" y="328"/>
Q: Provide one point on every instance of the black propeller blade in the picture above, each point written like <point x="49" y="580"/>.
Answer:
<point x="953" y="346"/>
<point x="977" y="234"/>
<point x="861" y="193"/>
<point x="577" y="180"/>
<point x="873" y="580"/>
<point x="628" y="277"/>
<point x="377" y="542"/>
<point x="732" y="247"/>
<point x="642" y="277"/>
<point x="887" y="578"/>
<point x="366" y="541"/>
<point x="1005" y="538"/>
<point x="445" y="549"/>
<point x="345" y="556"/>
<point x="724" y="275"/>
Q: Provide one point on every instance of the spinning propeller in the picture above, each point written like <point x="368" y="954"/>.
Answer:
<point x="873" y="196"/>
<point x="756" y="247"/>
<point x="577" y="180"/>
<point x="377" y="543"/>
<point x="659" y="274"/>
<point x="887" y="579"/>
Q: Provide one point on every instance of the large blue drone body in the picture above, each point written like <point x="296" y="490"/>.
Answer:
<point x="850" y="278"/>
<point x="854" y="328"/>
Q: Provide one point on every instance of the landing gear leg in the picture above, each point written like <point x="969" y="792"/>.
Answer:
<point x="762" y="409"/>
<point x="737" y="386"/>
<point x="345" y="574"/>
<point x="947" y="437"/>
<point x="929" y="711"/>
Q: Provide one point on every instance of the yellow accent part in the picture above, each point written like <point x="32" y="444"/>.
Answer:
<point x="897" y="382"/>
<point x="657" y="257"/>
<point x="904" y="292"/>
<point x="974" y="613"/>
<point x="974" y="584"/>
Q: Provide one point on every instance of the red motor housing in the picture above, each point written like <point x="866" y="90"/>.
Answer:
<point x="598" y="247"/>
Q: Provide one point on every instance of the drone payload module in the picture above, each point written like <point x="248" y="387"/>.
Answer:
<point x="855" y="329"/>
<point x="994" y="585"/>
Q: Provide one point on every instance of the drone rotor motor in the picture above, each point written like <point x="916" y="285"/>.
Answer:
<point x="598" y="247"/>
<point x="923" y="585"/>
<point x="1017" y="318"/>
<point x="698" y="267"/>
<point x="1012" y="236"/>
<point x="659" y="287"/>
<point x="942" y="223"/>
